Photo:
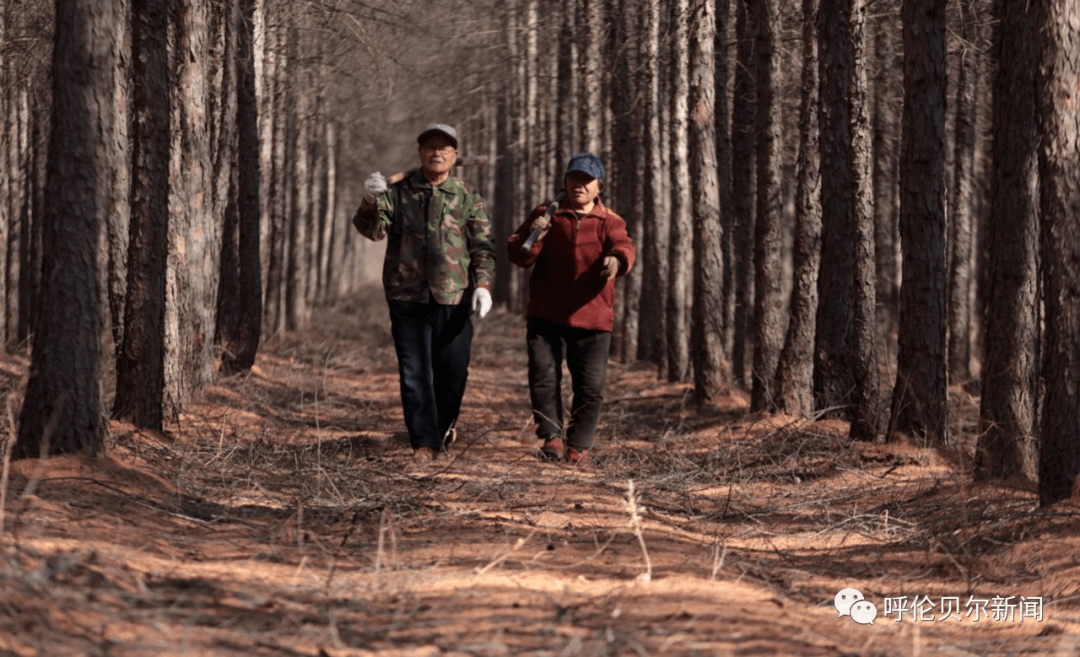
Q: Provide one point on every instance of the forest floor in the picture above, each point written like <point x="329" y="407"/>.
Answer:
<point x="284" y="516"/>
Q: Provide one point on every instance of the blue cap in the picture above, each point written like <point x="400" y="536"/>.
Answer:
<point x="586" y="163"/>
<point x="438" y="128"/>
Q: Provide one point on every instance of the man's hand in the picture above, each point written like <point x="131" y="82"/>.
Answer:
<point x="611" y="267"/>
<point x="541" y="223"/>
<point x="375" y="185"/>
<point x="481" y="302"/>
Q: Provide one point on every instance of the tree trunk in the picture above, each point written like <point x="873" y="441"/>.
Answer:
<point x="115" y="276"/>
<point x="240" y="313"/>
<point x="624" y="158"/>
<point x="866" y="396"/>
<point x="30" y="221"/>
<point x="281" y="101"/>
<point x="768" y="314"/>
<point x="592" y="113"/>
<point x="919" y="402"/>
<point x="722" y="115"/>
<point x="62" y="409"/>
<point x="1058" y="40"/>
<point x="742" y="185"/>
<point x="795" y="372"/>
<point x="885" y="162"/>
<point x="654" y="263"/>
<point x="194" y="236"/>
<point x="140" y="372"/>
<point x="296" y="294"/>
<point x="833" y="375"/>
<point x="709" y="360"/>
<point x="960" y="200"/>
<point x="679" y="254"/>
<point x="1009" y="364"/>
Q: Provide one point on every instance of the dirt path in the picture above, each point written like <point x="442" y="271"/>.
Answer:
<point x="285" y="517"/>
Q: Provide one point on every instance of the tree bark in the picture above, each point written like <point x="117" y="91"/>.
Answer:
<point x="624" y="159"/>
<point x="742" y="185"/>
<point x="140" y="372"/>
<point x="961" y="198"/>
<point x="240" y="317"/>
<point x="681" y="235"/>
<point x="1010" y="364"/>
<point x="722" y="114"/>
<point x="795" y="372"/>
<point x="62" y="408"/>
<point x="1058" y="39"/>
<point x="833" y="375"/>
<point x="768" y="319"/>
<point x="866" y="395"/>
<point x="886" y="162"/>
<point x="920" y="396"/>
<point x="709" y="361"/>
<point x="191" y="284"/>
<point x="654" y="263"/>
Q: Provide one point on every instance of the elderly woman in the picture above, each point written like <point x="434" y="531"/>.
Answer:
<point x="575" y="257"/>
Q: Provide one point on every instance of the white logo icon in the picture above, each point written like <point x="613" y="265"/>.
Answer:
<point x="845" y="598"/>
<point x="864" y="612"/>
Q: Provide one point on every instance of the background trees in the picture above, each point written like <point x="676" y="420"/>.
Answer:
<point x="275" y="112"/>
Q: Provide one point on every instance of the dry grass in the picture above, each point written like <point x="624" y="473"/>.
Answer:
<point x="283" y="516"/>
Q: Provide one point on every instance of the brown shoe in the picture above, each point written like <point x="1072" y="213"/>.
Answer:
<point x="426" y="454"/>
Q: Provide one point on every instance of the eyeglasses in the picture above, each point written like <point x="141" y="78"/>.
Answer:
<point x="443" y="150"/>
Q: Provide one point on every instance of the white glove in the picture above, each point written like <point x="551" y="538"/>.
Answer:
<point x="481" y="301"/>
<point x="375" y="184"/>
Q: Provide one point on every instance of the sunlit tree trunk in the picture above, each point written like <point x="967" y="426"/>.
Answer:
<point x="795" y="372"/>
<point x="62" y="409"/>
<point x="115" y="274"/>
<point x="1009" y="363"/>
<point x="1057" y="24"/>
<point x="919" y="401"/>
<point x="191" y="284"/>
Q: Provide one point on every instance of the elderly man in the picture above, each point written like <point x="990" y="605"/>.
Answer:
<point x="440" y="264"/>
<point x="575" y="260"/>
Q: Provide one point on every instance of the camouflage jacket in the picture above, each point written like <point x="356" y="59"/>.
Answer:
<point x="438" y="239"/>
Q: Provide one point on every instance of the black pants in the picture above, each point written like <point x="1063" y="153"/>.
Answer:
<point x="432" y="343"/>
<point x="586" y="358"/>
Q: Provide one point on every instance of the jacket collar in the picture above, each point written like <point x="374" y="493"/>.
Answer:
<point x="599" y="210"/>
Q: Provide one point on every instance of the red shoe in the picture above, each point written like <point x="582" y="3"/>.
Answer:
<point x="575" y="455"/>
<point x="552" y="449"/>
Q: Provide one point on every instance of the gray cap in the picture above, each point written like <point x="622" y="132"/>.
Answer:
<point x="440" y="129"/>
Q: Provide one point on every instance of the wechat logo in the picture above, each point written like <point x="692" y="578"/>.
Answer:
<point x="850" y="602"/>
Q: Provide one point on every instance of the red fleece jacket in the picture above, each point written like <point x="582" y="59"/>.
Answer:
<point x="567" y="285"/>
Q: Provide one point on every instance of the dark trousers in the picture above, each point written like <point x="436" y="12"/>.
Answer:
<point x="432" y="343"/>
<point x="586" y="358"/>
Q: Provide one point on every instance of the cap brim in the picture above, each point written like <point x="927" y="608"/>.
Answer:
<point x="429" y="133"/>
